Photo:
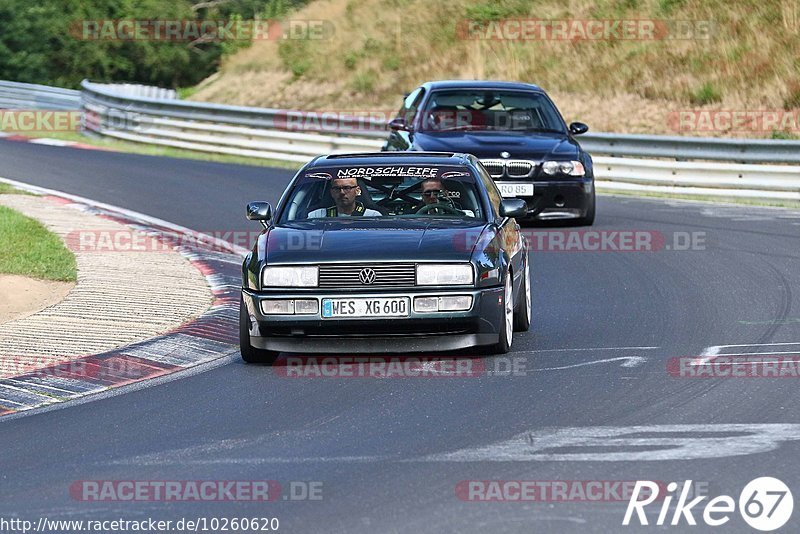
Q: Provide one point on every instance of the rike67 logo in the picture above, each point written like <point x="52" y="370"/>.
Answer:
<point x="765" y="504"/>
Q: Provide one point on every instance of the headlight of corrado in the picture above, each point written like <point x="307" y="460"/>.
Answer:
<point x="433" y="274"/>
<point x="570" y="168"/>
<point x="290" y="276"/>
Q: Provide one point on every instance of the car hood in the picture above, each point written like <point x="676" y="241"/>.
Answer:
<point x="520" y="145"/>
<point x="364" y="240"/>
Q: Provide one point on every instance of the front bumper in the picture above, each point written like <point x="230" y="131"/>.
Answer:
<point x="433" y="331"/>
<point x="560" y="199"/>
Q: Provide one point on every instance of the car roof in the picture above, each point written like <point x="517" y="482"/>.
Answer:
<point x="391" y="158"/>
<point x="481" y="84"/>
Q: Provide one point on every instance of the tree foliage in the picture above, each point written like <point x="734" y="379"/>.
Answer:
<point x="41" y="41"/>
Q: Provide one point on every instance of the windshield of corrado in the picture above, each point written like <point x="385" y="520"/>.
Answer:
<point x="490" y="110"/>
<point x="408" y="191"/>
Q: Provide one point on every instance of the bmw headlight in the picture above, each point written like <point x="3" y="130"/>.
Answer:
<point x="290" y="276"/>
<point x="570" y="168"/>
<point x="433" y="274"/>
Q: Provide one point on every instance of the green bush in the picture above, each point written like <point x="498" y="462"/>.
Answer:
<point x="498" y="9"/>
<point x="350" y="60"/>
<point x="295" y="57"/>
<point x="364" y="82"/>
<point x="391" y="62"/>
<point x="705" y="95"/>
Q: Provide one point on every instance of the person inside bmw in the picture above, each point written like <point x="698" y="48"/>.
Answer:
<point x="344" y="192"/>
<point x="434" y="192"/>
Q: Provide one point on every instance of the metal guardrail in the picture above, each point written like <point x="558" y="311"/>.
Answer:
<point x="15" y="95"/>
<point x="268" y="133"/>
<point x="693" y="148"/>
<point x="147" y="91"/>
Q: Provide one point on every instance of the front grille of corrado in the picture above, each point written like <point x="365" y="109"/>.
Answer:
<point x="349" y="275"/>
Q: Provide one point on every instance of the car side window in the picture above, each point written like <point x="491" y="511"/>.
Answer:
<point x="491" y="188"/>
<point x="411" y="104"/>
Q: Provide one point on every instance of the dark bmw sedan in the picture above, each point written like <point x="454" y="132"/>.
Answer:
<point x="517" y="133"/>
<point x="386" y="252"/>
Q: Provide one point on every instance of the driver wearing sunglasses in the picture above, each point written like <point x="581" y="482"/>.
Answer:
<point x="344" y="192"/>
<point x="434" y="192"/>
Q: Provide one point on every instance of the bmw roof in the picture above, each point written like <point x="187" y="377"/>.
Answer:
<point x="481" y="84"/>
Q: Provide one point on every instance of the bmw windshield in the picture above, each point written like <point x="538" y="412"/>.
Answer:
<point x="471" y="109"/>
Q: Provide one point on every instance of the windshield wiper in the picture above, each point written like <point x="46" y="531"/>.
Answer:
<point x="467" y="127"/>
<point x="531" y="129"/>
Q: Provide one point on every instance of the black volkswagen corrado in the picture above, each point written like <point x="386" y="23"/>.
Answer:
<point x="517" y="133"/>
<point x="386" y="252"/>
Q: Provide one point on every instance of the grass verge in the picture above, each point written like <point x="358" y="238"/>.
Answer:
<point x="155" y="150"/>
<point x="30" y="249"/>
<point x="6" y="189"/>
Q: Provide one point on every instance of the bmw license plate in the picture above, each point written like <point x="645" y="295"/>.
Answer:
<point x="511" y="189"/>
<point x="370" y="307"/>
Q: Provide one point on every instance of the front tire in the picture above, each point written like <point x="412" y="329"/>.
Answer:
<point x="522" y="313"/>
<point x="249" y="353"/>
<point x="588" y="219"/>
<point x="507" y="323"/>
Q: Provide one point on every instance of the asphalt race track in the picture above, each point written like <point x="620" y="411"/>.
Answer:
<point x="591" y="398"/>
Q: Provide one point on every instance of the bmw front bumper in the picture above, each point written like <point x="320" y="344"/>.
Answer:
<point x="560" y="199"/>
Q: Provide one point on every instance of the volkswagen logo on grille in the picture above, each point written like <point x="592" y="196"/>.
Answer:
<point x="366" y="276"/>
<point x="505" y="154"/>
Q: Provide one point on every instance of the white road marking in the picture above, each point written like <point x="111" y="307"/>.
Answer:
<point x="588" y="349"/>
<point x="629" y="361"/>
<point x="756" y="353"/>
<point x="626" y="444"/>
<point x="716" y="350"/>
<point x="718" y="347"/>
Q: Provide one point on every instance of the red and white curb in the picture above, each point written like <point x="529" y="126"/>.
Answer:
<point x="48" y="141"/>
<point x="211" y="336"/>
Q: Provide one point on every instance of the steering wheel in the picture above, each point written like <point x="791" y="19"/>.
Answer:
<point x="447" y="208"/>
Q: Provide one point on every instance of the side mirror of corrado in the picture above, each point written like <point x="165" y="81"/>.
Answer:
<point x="398" y="123"/>
<point x="578" y="128"/>
<point x="513" y="207"/>
<point x="259" y="211"/>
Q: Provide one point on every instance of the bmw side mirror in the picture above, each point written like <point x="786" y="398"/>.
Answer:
<point x="398" y="123"/>
<point x="513" y="207"/>
<point x="259" y="211"/>
<point x="578" y="128"/>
